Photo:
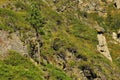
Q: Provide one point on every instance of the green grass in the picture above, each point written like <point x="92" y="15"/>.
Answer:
<point x="13" y="21"/>
<point x="17" y="67"/>
<point x="57" y="74"/>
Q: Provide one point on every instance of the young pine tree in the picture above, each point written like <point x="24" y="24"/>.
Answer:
<point x="36" y="20"/>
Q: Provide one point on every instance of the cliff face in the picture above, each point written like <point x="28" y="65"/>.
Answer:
<point x="59" y="39"/>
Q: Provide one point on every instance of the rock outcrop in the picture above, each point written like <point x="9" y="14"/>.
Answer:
<point x="117" y="4"/>
<point x="102" y="46"/>
<point x="11" y="42"/>
<point x="116" y="36"/>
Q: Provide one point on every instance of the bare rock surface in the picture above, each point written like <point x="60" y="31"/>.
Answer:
<point x="116" y="37"/>
<point x="11" y="42"/>
<point x="102" y="46"/>
<point x="117" y="3"/>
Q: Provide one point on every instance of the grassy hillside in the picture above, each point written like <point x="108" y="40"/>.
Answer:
<point x="68" y="42"/>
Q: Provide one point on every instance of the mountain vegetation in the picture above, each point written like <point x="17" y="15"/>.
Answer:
<point x="59" y="40"/>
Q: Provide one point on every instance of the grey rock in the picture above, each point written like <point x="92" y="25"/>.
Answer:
<point x="11" y="42"/>
<point x="117" y="4"/>
<point x="116" y="36"/>
<point x="102" y="46"/>
<point x="99" y="29"/>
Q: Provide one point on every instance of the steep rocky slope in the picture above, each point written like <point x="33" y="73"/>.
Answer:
<point x="59" y="40"/>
